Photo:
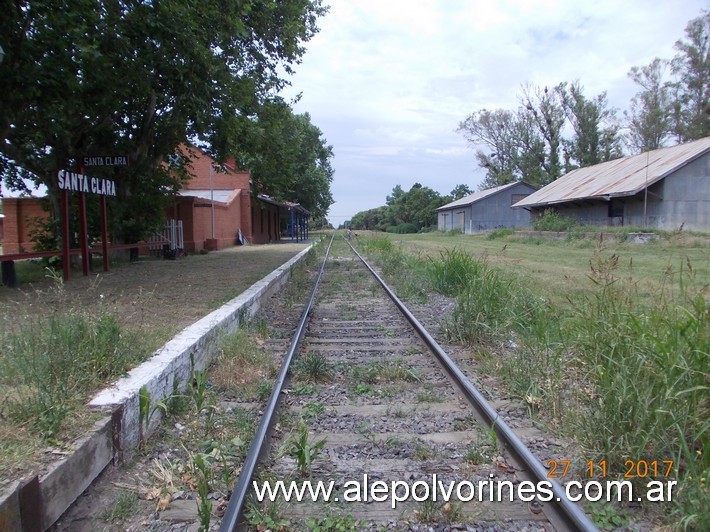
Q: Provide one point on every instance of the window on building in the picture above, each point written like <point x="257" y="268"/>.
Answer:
<point x="515" y="198"/>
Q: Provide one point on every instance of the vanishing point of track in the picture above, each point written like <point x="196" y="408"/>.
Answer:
<point x="394" y="407"/>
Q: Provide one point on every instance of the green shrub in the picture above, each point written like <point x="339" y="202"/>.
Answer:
<point x="488" y="301"/>
<point x="377" y="244"/>
<point x="403" y="229"/>
<point x="453" y="271"/>
<point x="551" y="220"/>
<point x="313" y="367"/>
<point x="499" y="233"/>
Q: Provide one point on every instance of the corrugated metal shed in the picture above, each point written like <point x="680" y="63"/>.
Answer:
<point x="476" y="196"/>
<point x="622" y="177"/>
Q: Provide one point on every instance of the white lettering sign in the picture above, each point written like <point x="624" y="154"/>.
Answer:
<point x="75" y="182"/>
<point x="105" y="160"/>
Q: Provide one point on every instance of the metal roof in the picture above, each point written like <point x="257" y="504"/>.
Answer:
<point x="221" y="196"/>
<point x="621" y="177"/>
<point x="478" y="196"/>
<point x="288" y="204"/>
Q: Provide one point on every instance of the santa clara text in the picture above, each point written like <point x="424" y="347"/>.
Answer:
<point x="75" y="182"/>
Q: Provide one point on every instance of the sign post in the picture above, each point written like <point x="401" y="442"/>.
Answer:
<point x="83" y="230"/>
<point x="81" y="184"/>
<point x="64" y="210"/>
<point x="105" y="160"/>
<point x="104" y="234"/>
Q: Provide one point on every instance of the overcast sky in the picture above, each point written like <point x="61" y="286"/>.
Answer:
<point x="388" y="82"/>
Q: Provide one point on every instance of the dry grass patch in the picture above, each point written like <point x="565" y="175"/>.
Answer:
<point x="242" y="361"/>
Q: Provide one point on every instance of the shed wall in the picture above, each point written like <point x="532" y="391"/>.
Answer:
<point x="491" y="212"/>
<point x="685" y="200"/>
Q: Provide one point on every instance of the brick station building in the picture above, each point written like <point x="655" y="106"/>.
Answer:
<point x="216" y="207"/>
<point x="226" y="190"/>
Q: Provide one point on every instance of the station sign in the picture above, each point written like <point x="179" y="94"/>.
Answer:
<point x="105" y="160"/>
<point x="75" y="182"/>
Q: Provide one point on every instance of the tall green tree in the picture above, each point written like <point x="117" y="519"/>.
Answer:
<point x="531" y="152"/>
<point x="546" y="111"/>
<point x="648" y="119"/>
<point x="674" y="102"/>
<point x="371" y="219"/>
<point x="416" y="206"/>
<point x="288" y="157"/>
<point x="534" y="143"/>
<point x="460" y="191"/>
<point x="595" y="137"/>
<point x="84" y="77"/>
<point x="313" y="173"/>
<point x="691" y="66"/>
<point x="494" y="131"/>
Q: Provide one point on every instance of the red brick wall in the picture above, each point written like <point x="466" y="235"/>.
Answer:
<point x="266" y="223"/>
<point x="19" y="213"/>
<point x="196" y="216"/>
<point x="200" y="170"/>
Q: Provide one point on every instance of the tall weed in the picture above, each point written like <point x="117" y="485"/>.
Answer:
<point x="623" y="370"/>
<point x="648" y="369"/>
<point x="49" y="366"/>
<point x="453" y="271"/>
<point x="490" y="304"/>
<point x="534" y="367"/>
<point x="406" y="272"/>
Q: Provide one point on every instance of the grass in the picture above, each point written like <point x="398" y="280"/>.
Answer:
<point x="125" y="505"/>
<point x="30" y="271"/>
<point x="606" y="341"/>
<point x="381" y="371"/>
<point x="303" y="451"/>
<point x="313" y="409"/>
<point x="313" y="367"/>
<point x="63" y="342"/>
<point x="428" y="395"/>
<point x="423" y="451"/>
<point x="559" y="270"/>
<point x="409" y="271"/>
<point x="246" y="367"/>
<point x="49" y="365"/>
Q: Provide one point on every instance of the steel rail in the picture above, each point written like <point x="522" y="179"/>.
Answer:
<point x="233" y="515"/>
<point x="564" y="515"/>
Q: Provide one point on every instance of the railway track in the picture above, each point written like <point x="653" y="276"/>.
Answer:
<point x="371" y="407"/>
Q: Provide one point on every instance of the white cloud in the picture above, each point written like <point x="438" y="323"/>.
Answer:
<point x="388" y="82"/>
